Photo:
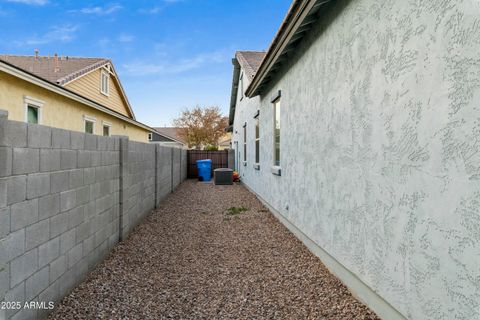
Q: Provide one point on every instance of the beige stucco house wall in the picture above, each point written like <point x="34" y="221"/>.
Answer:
<point x="68" y="105"/>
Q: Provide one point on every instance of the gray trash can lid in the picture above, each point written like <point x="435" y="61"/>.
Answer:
<point x="223" y="169"/>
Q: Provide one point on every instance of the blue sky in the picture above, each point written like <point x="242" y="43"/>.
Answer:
<point x="169" y="54"/>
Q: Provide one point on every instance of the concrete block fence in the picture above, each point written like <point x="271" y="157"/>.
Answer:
<point x="66" y="198"/>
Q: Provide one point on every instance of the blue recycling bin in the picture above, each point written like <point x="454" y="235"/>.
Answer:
<point x="204" y="168"/>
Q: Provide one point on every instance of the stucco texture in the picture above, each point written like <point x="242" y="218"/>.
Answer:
<point x="380" y="149"/>
<point x="59" y="111"/>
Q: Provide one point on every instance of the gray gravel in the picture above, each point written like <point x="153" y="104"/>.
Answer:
<point x="193" y="259"/>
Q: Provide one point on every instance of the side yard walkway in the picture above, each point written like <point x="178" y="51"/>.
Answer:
<point x="195" y="259"/>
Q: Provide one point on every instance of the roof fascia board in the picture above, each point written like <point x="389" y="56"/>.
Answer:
<point x="278" y="49"/>
<point x="83" y="75"/>
<point x="16" y="72"/>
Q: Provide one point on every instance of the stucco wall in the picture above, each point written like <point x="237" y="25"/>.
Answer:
<point x="380" y="151"/>
<point x="58" y="111"/>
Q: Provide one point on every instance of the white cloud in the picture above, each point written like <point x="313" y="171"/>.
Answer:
<point x="125" y="38"/>
<point x="144" y="68"/>
<point x="64" y="33"/>
<point x="158" y="9"/>
<point x="153" y="10"/>
<point x="31" y="2"/>
<point x="101" y="11"/>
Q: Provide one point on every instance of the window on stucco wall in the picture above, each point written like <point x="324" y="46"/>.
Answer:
<point x="276" y="135"/>
<point x="245" y="142"/>
<point x="257" y="140"/>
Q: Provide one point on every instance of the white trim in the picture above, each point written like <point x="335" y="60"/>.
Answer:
<point x="89" y="118"/>
<point x="276" y="170"/>
<point x="356" y="286"/>
<point x="67" y="93"/>
<point x="93" y="120"/>
<point x="106" y="125"/>
<point x="105" y="73"/>
<point x="150" y="136"/>
<point x="34" y="103"/>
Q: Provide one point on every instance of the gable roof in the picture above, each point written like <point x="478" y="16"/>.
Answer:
<point x="249" y="61"/>
<point x="171" y="133"/>
<point x="62" y="70"/>
<point x="300" y="17"/>
<point x="51" y="86"/>
<point x="55" y="69"/>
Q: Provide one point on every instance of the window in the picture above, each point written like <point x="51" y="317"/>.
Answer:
<point x="33" y="110"/>
<point x="257" y="140"/>
<point x="89" y="124"/>
<point x="32" y="114"/>
<point x="104" y="87"/>
<point x="88" y="127"/>
<point x="150" y="136"/>
<point x="241" y="86"/>
<point x="106" y="131"/>
<point x="276" y="135"/>
<point x="106" y="128"/>
<point x="245" y="142"/>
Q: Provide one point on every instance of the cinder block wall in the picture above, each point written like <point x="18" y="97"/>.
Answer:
<point x="66" y="198"/>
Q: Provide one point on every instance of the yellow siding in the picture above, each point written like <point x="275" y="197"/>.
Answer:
<point x="59" y="111"/>
<point x="89" y="87"/>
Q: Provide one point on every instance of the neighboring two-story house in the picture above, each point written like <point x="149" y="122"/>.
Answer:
<point x="80" y="94"/>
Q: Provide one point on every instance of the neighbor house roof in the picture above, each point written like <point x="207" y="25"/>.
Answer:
<point x="298" y="21"/>
<point x="249" y="61"/>
<point x="171" y="132"/>
<point x="55" y="69"/>
<point x="62" y="70"/>
<point x="30" y="77"/>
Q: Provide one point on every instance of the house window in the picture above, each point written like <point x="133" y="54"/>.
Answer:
<point x="150" y="136"/>
<point x="32" y="114"/>
<point x="106" y="129"/>
<point x="257" y="140"/>
<point x="245" y="142"/>
<point x="105" y="86"/>
<point x="89" y="124"/>
<point x="33" y="110"/>
<point x="276" y="135"/>
<point x="241" y="86"/>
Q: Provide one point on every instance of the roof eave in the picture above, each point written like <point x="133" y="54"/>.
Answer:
<point x="233" y="97"/>
<point x="32" y="78"/>
<point x="299" y="17"/>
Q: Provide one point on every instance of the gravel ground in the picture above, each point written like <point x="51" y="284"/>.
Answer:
<point x="195" y="259"/>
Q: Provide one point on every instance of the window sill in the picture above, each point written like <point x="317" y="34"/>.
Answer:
<point x="276" y="170"/>
<point x="256" y="166"/>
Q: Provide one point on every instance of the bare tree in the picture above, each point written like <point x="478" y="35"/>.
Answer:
<point x="201" y="127"/>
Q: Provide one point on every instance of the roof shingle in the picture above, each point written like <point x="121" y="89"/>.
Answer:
<point x="250" y="61"/>
<point x="59" y="70"/>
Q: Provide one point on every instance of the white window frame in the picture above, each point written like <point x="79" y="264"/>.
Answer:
<point x="109" y="125"/>
<point x="150" y="136"/>
<point x="276" y="101"/>
<point x="245" y="144"/>
<point x="256" y="163"/>
<point x="241" y="85"/>
<point x="105" y="74"/>
<point x="89" y="119"/>
<point x="35" y="103"/>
